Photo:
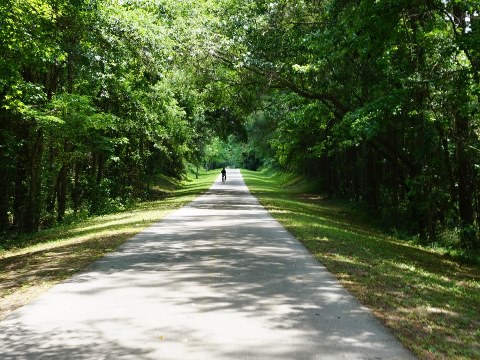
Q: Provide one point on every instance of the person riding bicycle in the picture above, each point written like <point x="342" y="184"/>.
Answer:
<point x="224" y="175"/>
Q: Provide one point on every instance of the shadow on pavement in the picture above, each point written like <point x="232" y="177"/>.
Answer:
<point x="218" y="279"/>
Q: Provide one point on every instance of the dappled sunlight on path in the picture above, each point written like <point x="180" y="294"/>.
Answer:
<point x="217" y="279"/>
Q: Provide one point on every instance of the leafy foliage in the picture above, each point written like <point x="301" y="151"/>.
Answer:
<point x="96" y="97"/>
<point x="378" y="100"/>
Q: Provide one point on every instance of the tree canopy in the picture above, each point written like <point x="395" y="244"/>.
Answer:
<point x="376" y="100"/>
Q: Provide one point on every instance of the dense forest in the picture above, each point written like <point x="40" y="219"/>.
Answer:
<point x="376" y="100"/>
<point x="97" y="96"/>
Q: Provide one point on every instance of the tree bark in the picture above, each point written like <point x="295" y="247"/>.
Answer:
<point x="27" y="194"/>
<point x="5" y="172"/>
<point x="62" y="187"/>
<point x="62" y="193"/>
<point x="5" y="185"/>
<point x="20" y="185"/>
<point x="465" y="183"/>
<point x="371" y="194"/>
<point x="34" y="200"/>
<point x="76" y="188"/>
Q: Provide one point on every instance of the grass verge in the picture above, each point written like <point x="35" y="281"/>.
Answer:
<point x="429" y="302"/>
<point x="48" y="257"/>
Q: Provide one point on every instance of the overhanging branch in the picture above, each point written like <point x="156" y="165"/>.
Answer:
<point x="274" y="77"/>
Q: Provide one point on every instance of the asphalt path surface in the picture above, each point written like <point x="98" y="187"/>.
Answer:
<point x="217" y="279"/>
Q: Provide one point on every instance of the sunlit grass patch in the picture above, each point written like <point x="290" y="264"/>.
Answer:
<point x="429" y="301"/>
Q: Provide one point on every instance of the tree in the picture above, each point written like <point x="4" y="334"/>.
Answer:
<point x="390" y="100"/>
<point x="95" y="96"/>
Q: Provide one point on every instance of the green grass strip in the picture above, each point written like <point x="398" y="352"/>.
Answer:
<point x="430" y="302"/>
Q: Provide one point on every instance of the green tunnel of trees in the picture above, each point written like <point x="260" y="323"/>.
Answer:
<point x="377" y="100"/>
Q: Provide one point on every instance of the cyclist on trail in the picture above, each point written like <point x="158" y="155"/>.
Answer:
<point x="224" y="175"/>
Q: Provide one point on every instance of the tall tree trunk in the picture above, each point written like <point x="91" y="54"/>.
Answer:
<point x="53" y="185"/>
<point x="5" y="185"/>
<point x="62" y="187"/>
<point x="371" y="193"/>
<point x="27" y="195"/>
<point x="20" y="186"/>
<point x="462" y="126"/>
<point x="5" y="171"/>
<point x="62" y="193"/>
<point x="465" y="183"/>
<point x="76" y="188"/>
<point x="352" y="171"/>
<point x="63" y="175"/>
<point x="447" y="164"/>
<point x="34" y="200"/>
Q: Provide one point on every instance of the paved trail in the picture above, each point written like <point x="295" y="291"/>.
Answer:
<point x="218" y="279"/>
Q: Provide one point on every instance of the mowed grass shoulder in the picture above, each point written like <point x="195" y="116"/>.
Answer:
<point x="38" y="261"/>
<point x="431" y="303"/>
